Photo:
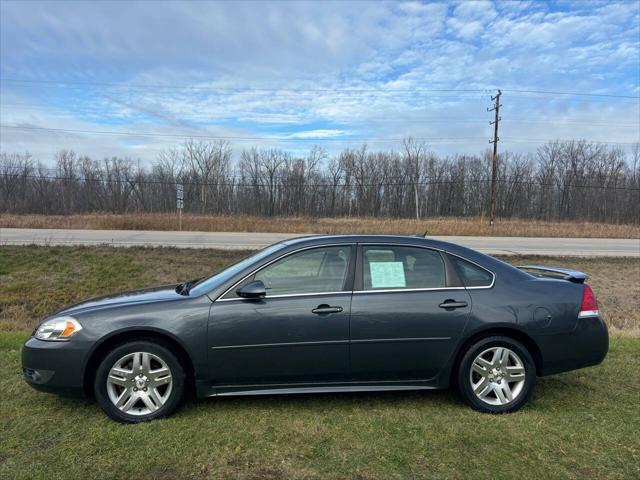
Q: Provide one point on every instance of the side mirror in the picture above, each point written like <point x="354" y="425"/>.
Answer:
<point x="255" y="289"/>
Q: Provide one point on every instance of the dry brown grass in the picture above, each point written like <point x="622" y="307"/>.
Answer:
<point x="243" y="223"/>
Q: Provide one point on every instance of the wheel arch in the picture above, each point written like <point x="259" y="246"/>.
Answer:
<point x="122" y="336"/>
<point x="503" y="331"/>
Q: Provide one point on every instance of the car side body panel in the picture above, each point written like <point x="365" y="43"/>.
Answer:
<point x="398" y="336"/>
<point x="182" y="320"/>
<point x="271" y="341"/>
<point x="420" y="351"/>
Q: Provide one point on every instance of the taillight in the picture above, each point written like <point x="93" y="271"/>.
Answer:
<point x="589" y="305"/>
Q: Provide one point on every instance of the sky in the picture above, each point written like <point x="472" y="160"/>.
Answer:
<point x="133" y="78"/>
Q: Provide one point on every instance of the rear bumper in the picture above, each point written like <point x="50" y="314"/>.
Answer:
<point x="54" y="367"/>
<point x="585" y="346"/>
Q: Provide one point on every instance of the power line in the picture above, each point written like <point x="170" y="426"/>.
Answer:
<point x="314" y="185"/>
<point x="396" y="180"/>
<point x="450" y="140"/>
<point x="544" y="140"/>
<point x="244" y="89"/>
<point x="578" y="94"/>
<point x="312" y="90"/>
<point x="309" y="94"/>
<point x="215" y="137"/>
<point x="527" y="99"/>
<point x="416" y="121"/>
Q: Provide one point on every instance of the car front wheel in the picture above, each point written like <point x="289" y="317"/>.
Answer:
<point x="496" y="375"/>
<point x="139" y="381"/>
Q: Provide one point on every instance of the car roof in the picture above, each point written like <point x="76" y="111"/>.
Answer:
<point x="486" y="261"/>
<point x="368" y="238"/>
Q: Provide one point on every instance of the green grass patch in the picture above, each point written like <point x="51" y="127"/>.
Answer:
<point x="582" y="424"/>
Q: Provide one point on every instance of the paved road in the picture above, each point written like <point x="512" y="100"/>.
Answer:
<point x="240" y="240"/>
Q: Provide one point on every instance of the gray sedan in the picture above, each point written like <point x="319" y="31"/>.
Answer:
<point x="325" y="314"/>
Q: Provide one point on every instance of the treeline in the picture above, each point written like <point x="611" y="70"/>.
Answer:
<point x="568" y="180"/>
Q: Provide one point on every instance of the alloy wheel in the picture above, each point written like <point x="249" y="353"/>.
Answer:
<point x="497" y="376"/>
<point x="139" y="383"/>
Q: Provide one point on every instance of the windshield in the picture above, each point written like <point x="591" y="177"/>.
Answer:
<point x="209" y="283"/>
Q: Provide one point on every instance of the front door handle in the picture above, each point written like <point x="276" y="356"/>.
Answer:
<point x="447" y="304"/>
<point x="324" y="308"/>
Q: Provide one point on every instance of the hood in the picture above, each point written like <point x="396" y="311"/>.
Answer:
<point x="147" y="295"/>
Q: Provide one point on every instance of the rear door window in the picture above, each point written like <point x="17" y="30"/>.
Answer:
<point x="398" y="267"/>
<point x="471" y="274"/>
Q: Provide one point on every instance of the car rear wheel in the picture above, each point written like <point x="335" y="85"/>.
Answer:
<point x="496" y="375"/>
<point x="139" y="381"/>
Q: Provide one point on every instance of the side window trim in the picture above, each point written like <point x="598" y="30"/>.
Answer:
<point x="351" y="268"/>
<point x="358" y="286"/>
<point x="347" y="285"/>
<point x="493" y="275"/>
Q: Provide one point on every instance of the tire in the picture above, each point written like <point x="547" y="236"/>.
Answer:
<point x="139" y="381"/>
<point x="496" y="375"/>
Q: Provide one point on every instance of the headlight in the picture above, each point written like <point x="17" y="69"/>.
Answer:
<point x="58" y="329"/>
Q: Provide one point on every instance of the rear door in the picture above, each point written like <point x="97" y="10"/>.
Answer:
<point x="407" y="311"/>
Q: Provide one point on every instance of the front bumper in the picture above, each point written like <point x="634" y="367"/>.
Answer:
<point x="54" y="367"/>
<point x="585" y="346"/>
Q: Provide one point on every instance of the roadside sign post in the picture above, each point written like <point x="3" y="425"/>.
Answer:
<point x="180" y="203"/>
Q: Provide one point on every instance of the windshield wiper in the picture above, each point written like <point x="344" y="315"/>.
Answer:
<point x="183" y="288"/>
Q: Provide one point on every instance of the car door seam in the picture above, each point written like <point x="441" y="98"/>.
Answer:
<point x="283" y="344"/>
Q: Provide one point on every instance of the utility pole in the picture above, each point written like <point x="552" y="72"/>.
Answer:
<point x="415" y="189"/>
<point x="494" y="167"/>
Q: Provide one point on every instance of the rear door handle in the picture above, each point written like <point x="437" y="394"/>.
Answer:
<point x="452" y="304"/>
<point x="324" y="308"/>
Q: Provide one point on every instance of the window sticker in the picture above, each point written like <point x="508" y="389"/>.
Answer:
<point x="387" y="275"/>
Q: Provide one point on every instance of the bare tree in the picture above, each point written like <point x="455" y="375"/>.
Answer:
<point x="562" y="180"/>
<point x="414" y="157"/>
<point x="209" y="161"/>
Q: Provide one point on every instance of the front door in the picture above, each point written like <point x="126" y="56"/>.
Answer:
<point x="405" y="315"/>
<point x="297" y="334"/>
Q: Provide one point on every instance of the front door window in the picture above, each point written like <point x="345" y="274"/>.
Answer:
<point x="317" y="270"/>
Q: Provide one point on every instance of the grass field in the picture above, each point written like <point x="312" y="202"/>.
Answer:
<point x="582" y="424"/>
<point x="243" y="223"/>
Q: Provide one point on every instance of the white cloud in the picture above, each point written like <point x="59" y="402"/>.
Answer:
<point x="477" y="10"/>
<point x="467" y="30"/>
<point x="336" y="70"/>
<point x="415" y="8"/>
<point x="321" y="133"/>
